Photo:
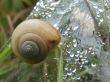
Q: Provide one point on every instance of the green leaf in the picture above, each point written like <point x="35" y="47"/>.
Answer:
<point x="18" y="4"/>
<point x="7" y="68"/>
<point x="5" y="54"/>
<point x="26" y="72"/>
<point x="4" y="22"/>
<point x="8" y="4"/>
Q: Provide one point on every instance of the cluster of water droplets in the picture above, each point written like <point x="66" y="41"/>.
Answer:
<point x="81" y="46"/>
<point x="43" y="9"/>
<point x="100" y="7"/>
<point x="102" y="12"/>
<point x="77" y="60"/>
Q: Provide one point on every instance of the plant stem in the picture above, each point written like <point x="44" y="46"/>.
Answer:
<point x="60" y="67"/>
<point x="45" y="72"/>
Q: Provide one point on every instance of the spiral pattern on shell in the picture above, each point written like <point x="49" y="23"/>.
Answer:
<point x="33" y="39"/>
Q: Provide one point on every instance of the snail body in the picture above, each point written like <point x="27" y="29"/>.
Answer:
<point x="33" y="39"/>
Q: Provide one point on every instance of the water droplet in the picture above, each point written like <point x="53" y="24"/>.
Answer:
<point x="95" y="6"/>
<point x="93" y="53"/>
<point x="100" y="10"/>
<point x="81" y="56"/>
<point x="76" y="55"/>
<point x="90" y="48"/>
<point x="78" y="78"/>
<point x="71" y="55"/>
<point x="77" y="59"/>
<point x="86" y="61"/>
<point x="69" y="73"/>
<point x="75" y="28"/>
<point x="101" y="20"/>
<point x="74" y="70"/>
<point x="46" y="74"/>
<point x="75" y="45"/>
<point x="74" y="40"/>
<point x="93" y="65"/>
<point x="66" y="68"/>
<point x="108" y="17"/>
<point x="78" y="52"/>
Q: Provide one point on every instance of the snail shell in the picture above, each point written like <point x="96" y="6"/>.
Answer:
<point x="33" y="39"/>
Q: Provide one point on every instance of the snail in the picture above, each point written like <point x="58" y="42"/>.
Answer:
<point x="33" y="39"/>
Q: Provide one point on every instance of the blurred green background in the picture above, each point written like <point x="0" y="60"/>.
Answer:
<point x="12" y="12"/>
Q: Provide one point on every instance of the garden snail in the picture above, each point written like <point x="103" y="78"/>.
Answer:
<point x="33" y="39"/>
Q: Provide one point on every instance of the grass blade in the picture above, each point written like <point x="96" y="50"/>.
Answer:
<point x="60" y="67"/>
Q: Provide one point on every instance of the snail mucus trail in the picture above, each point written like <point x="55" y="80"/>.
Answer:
<point x="33" y="39"/>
